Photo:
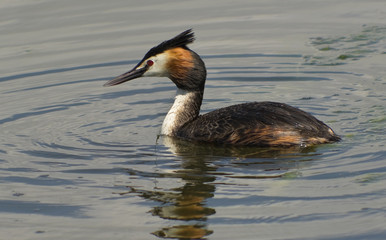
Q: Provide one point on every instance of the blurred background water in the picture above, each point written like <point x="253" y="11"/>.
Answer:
<point x="79" y="161"/>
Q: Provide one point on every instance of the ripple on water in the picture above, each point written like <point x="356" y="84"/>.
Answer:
<point x="72" y="150"/>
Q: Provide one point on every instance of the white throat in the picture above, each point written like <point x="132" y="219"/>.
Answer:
<point x="174" y="119"/>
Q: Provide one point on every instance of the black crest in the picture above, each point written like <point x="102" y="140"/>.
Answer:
<point x="181" y="40"/>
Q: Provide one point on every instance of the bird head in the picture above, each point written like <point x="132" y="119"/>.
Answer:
<point x="172" y="59"/>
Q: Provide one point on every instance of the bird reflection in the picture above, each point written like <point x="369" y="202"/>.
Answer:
<point x="183" y="232"/>
<point x="187" y="204"/>
<point x="189" y="149"/>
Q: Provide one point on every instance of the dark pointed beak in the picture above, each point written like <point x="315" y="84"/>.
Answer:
<point x="132" y="74"/>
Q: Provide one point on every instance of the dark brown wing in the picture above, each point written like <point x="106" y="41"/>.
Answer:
<point x="260" y="124"/>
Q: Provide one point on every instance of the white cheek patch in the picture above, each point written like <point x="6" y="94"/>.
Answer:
<point x="158" y="69"/>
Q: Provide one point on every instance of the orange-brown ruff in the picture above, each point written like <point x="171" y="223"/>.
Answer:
<point x="255" y="123"/>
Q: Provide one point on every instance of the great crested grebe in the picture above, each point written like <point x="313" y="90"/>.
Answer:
<point x="255" y="123"/>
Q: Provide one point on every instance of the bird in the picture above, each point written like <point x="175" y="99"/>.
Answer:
<point x="260" y="124"/>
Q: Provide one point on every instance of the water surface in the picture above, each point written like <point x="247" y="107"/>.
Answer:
<point x="79" y="161"/>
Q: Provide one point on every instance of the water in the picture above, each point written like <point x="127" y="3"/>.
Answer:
<point x="79" y="161"/>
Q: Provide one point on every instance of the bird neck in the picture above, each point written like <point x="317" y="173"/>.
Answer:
<point x="185" y="109"/>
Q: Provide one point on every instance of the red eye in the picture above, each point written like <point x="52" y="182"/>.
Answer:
<point x="150" y="63"/>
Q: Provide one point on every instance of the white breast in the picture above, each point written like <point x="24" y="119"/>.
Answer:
<point x="172" y="120"/>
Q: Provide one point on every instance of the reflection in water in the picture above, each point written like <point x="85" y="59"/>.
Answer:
<point x="185" y="203"/>
<point x="187" y="149"/>
<point x="183" y="232"/>
<point x="188" y="204"/>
